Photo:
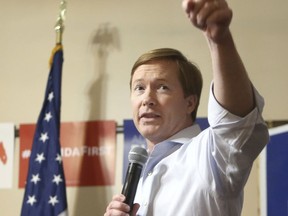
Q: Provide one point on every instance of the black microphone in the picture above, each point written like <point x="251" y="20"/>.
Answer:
<point x="137" y="158"/>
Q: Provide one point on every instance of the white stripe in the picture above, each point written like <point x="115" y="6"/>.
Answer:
<point x="278" y="130"/>
<point x="263" y="182"/>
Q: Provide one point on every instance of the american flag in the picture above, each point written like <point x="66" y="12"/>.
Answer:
<point x="45" y="191"/>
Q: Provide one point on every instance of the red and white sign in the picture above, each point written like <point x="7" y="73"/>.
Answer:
<point x="88" y="152"/>
<point x="7" y="136"/>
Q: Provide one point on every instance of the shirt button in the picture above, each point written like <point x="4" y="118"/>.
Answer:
<point x="145" y="204"/>
<point x="149" y="173"/>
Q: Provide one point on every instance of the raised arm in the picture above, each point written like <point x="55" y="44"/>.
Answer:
<point x="232" y="87"/>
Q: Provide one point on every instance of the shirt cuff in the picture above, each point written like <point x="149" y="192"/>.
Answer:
<point x="218" y="114"/>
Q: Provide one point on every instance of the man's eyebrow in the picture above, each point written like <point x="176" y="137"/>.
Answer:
<point x="138" y="80"/>
<point x="141" y="79"/>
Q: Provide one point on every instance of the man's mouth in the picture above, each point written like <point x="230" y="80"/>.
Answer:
<point x="149" y="115"/>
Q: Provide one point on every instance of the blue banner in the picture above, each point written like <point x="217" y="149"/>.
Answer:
<point x="277" y="172"/>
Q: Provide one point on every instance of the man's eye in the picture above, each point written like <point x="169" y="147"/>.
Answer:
<point x="138" y="88"/>
<point x="163" y="87"/>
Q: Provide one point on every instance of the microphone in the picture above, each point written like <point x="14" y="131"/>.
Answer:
<point x="137" y="158"/>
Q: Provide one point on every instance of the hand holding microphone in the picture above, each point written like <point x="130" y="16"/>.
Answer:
<point x="124" y="202"/>
<point x="137" y="158"/>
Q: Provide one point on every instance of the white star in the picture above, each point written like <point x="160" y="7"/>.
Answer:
<point x="53" y="200"/>
<point x="40" y="158"/>
<point x="50" y="96"/>
<point x="31" y="200"/>
<point x="58" y="158"/>
<point x="44" y="137"/>
<point x="35" y="178"/>
<point x="57" y="179"/>
<point x="48" y="116"/>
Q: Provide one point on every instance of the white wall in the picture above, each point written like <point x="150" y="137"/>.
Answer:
<point x="96" y="86"/>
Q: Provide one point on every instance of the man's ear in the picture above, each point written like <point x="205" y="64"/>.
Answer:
<point x="192" y="101"/>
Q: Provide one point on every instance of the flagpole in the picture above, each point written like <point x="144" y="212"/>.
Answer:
<point x="59" y="27"/>
<point x="45" y="189"/>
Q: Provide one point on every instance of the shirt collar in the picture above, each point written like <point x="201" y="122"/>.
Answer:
<point x="186" y="134"/>
<point x="167" y="147"/>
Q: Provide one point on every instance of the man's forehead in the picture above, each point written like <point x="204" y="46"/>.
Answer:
<point x="159" y="67"/>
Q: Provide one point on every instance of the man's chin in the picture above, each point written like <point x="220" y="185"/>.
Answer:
<point x="148" y="131"/>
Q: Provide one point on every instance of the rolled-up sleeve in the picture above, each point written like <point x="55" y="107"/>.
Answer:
<point x="236" y="141"/>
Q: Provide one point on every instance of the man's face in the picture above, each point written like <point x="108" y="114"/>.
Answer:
<point x="159" y="107"/>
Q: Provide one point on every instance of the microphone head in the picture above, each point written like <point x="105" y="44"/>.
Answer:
<point x="138" y="155"/>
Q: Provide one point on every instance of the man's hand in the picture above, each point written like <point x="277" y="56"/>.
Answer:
<point x="117" y="207"/>
<point x="213" y="17"/>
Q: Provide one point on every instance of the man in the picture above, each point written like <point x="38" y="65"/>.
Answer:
<point x="190" y="172"/>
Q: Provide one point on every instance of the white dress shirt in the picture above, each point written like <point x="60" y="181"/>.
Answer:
<point x="196" y="173"/>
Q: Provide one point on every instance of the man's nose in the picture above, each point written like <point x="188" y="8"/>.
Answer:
<point x="149" y="99"/>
